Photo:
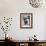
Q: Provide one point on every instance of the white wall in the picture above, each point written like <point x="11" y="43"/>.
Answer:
<point x="13" y="8"/>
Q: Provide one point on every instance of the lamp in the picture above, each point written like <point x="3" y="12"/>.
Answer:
<point x="36" y="3"/>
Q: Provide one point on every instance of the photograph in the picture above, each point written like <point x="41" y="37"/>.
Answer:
<point x="26" y="20"/>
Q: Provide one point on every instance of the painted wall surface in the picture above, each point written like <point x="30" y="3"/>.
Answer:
<point x="13" y="8"/>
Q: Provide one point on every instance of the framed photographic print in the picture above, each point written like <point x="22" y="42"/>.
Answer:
<point x="26" y="20"/>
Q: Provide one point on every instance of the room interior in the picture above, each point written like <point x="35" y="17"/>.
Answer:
<point x="22" y="23"/>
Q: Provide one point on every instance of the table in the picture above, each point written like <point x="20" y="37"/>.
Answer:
<point x="26" y="42"/>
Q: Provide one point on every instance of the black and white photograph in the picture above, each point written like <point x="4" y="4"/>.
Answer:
<point x="26" y="20"/>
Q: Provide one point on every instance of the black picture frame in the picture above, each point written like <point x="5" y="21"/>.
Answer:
<point x="26" y="20"/>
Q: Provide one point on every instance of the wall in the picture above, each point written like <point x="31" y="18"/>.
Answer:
<point x="13" y="8"/>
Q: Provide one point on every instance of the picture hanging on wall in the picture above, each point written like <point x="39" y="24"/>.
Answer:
<point x="26" y="20"/>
